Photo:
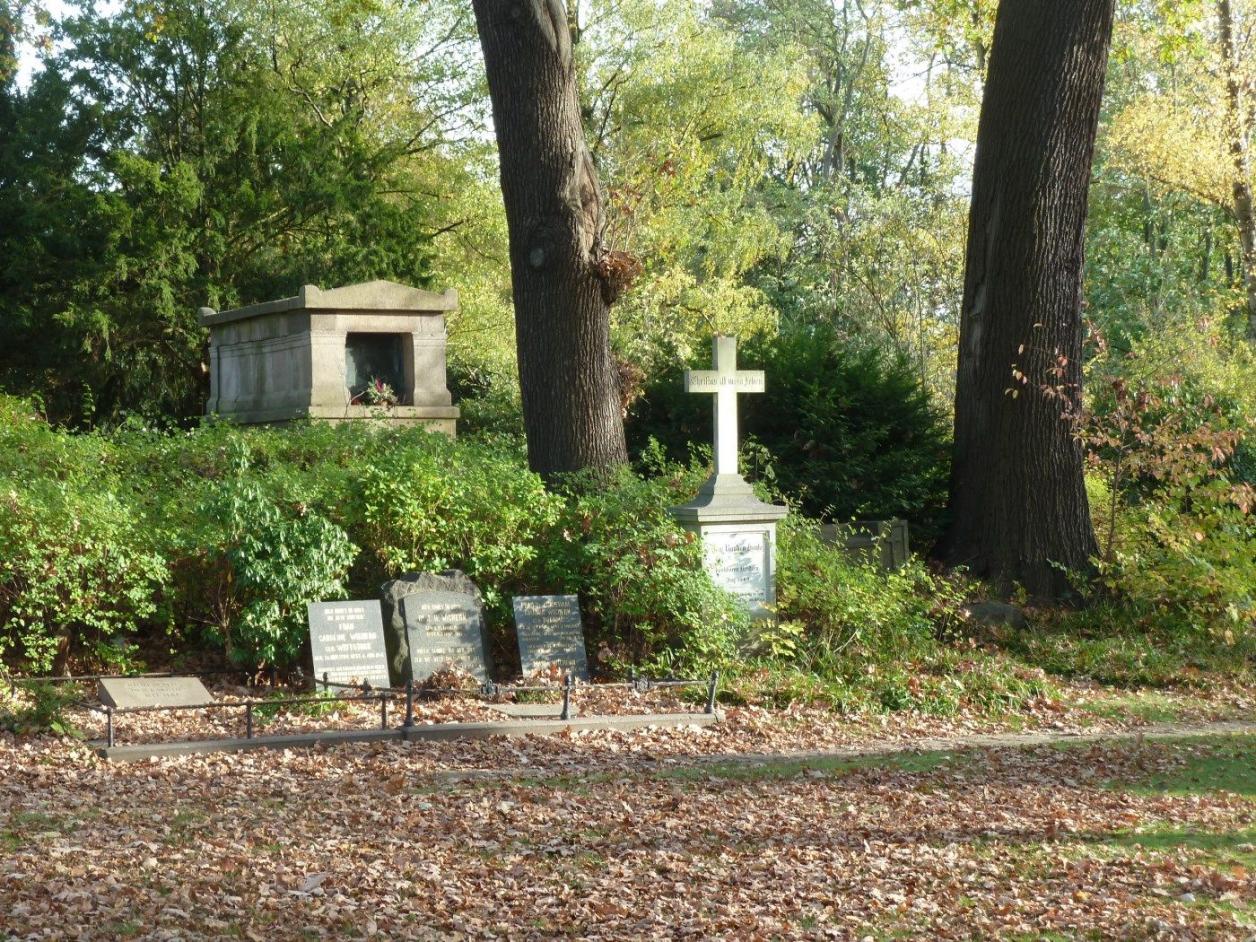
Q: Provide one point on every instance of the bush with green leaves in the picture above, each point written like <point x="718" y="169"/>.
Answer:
<point x="850" y="431"/>
<point x="645" y="593"/>
<point x="77" y="566"/>
<point x="38" y="707"/>
<point x="429" y="504"/>
<point x="255" y="561"/>
<point x="851" y="634"/>
<point x="1174" y="510"/>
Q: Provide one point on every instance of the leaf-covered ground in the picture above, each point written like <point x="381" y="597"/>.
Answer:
<point x="651" y="834"/>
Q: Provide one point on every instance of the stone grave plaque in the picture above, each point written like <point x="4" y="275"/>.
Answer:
<point x="739" y="562"/>
<point x="550" y="632"/>
<point x="125" y="692"/>
<point x="347" y="641"/>
<point x="444" y="628"/>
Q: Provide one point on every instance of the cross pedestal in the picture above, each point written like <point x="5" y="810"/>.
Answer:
<point x="738" y="531"/>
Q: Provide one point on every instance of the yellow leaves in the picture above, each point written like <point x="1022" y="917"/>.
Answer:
<point x="1174" y="146"/>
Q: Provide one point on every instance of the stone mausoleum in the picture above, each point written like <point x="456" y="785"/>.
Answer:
<point x="320" y="354"/>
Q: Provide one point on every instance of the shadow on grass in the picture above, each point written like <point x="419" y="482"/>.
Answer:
<point x="1102" y="644"/>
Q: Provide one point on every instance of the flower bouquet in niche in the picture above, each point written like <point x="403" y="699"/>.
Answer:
<point x="377" y="393"/>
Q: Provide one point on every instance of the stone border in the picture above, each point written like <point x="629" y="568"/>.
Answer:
<point x="435" y="732"/>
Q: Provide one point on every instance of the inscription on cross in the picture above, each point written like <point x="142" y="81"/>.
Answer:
<point x="725" y="381"/>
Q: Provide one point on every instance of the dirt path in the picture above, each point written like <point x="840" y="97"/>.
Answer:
<point x="977" y="741"/>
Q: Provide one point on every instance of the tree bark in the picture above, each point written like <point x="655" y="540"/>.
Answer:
<point x="562" y="296"/>
<point x="1018" y="499"/>
<point x="1237" y="128"/>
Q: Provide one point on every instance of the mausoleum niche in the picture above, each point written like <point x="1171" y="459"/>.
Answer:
<point x="375" y="370"/>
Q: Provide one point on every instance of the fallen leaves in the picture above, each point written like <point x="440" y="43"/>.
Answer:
<point x="682" y="833"/>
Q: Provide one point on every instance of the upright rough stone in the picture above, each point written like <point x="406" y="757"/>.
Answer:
<point x="412" y="583"/>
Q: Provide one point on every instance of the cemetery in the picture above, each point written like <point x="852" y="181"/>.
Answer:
<point x="635" y="470"/>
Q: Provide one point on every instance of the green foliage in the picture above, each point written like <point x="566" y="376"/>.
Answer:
<point x="849" y="603"/>
<point x="1109" y="643"/>
<point x="1176" y="515"/>
<point x="685" y="126"/>
<point x="76" y="566"/>
<point x="36" y="707"/>
<point x="850" y="431"/>
<point x="265" y="561"/>
<point x="241" y="528"/>
<point x="854" y="636"/>
<point x="469" y="505"/>
<point x="645" y="594"/>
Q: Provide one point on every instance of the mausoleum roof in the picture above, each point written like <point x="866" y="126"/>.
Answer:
<point x="375" y="297"/>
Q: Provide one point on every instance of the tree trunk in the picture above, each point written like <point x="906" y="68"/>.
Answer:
<point x="1236" y="114"/>
<point x="1018" y="499"/>
<point x="562" y="294"/>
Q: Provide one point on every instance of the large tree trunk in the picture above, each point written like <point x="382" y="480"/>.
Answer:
<point x="1018" y="500"/>
<point x="1237" y="129"/>
<point x="567" y="373"/>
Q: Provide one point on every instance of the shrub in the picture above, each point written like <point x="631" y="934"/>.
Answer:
<point x="1175" y="516"/>
<point x="429" y="503"/>
<point x="255" y="561"/>
<point x="851" y="430"/>
<point x="851" y="606"/>
<point x="76" y="565"/>
<point x="38" y="708"/>
<point x="645" y="594"/>
<point x="852" y="636"/>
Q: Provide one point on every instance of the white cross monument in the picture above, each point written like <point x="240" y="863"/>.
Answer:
<point x="738" y="530"/>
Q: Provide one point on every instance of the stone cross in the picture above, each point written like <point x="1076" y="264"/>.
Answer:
<point x="725" y="381"/>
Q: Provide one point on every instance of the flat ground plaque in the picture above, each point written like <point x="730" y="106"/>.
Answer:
<point x="347" y="641"/>
<point x="550" y="632"/>
<point x="125" y="692"/>
<point x="444" y="628"/>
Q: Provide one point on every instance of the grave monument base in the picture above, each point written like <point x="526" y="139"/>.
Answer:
<point x="738" y="534"/>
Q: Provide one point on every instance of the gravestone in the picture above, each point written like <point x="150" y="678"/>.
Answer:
<point x="317" y="354"/>
<point x="347" y="642"/>
<point x="884" y="542"/>
<point x="126" y="692"/>
<point x="550" y="632"/>
<point x="738" y="531"/>
<point x="414" y="583"/>
<point x="444" y="629"/>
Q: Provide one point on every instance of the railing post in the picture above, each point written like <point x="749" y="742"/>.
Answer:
<point x="409" y="702"/>
<point x="109" y="726"/>
<point x="383" y="711"/>
<point x="566" y="714"/>
<point x="326" y="681"/>
<point x="712" y="685"/>
<point x="248" y="719"/>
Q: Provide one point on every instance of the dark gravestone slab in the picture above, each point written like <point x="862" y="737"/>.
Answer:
<point x="347" y="641"/>
<point x="412" y="583"/>
<point x="444" y="629"/>
<point x="125" y="692"/>
<point x="550" y="632"/>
